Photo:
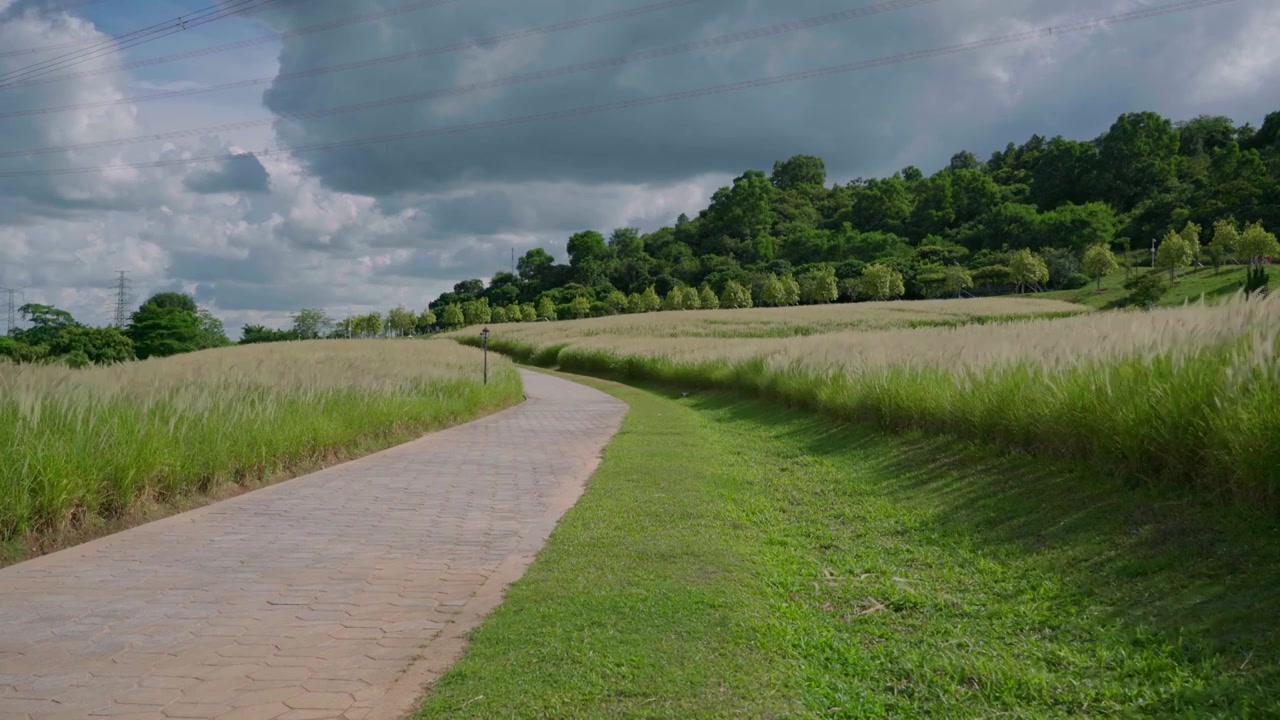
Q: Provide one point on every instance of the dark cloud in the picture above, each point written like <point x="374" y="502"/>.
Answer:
<point x="241" y="173"/>
<point x="861" y="123"/>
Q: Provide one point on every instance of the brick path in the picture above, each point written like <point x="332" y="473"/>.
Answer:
<point x="335" y="595"/>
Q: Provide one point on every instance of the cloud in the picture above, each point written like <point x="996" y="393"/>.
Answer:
<point x="238" y="173"/>
<point x="368" y="226"/>
<point x="856" y="121"/>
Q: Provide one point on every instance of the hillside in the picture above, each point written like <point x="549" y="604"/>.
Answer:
<point x="956" y="231"/>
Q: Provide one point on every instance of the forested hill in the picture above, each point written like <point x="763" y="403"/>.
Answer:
<point x="1144" y="177"/>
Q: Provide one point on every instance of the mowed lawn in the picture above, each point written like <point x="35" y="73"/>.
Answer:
<point x="734" y="559"/>
<point x="1192" y="285"/>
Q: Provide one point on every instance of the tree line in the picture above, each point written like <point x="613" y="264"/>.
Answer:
<point x="1051" y="213"/>
<point x="167" y="323"/>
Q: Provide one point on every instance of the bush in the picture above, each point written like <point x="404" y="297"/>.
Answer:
<point x="1145" y="290"/>
<point x="1076" y="281"/>
<point x="76" y="359"/>
<point x="1256" y="280"/>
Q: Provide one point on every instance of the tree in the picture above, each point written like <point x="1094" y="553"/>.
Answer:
<point x="649" y="300"/>
<point x="674" y="299"/>
<point x="426" y="322"/>
<point x="1226" y="238"/>
<point x="1027" y="269"/>
<point x="579" y="307"/>
<point x="161" y="330"/>
<point x="252" y="334"/>
<point x="1099" y="261"/>
<point x="453" y="317"/>
<point x="212" y="332"/>
<point x="707" y="298"/>
<point x="956" y="279"/>
<point x="528" y="313"/>
<point x="101" y="346"/>
<point x="401" y="320"/>
<point x="743" y="211"/>
<point x="546" y="308"/>
<point x="880" y="282"/>
<point x="310" y="323"/>
<point x="735" y="296"/>
<point x="498" y="315"/>
<point x="616" y="302"/>
<point x="1173" y="253"/>
<point x="585" y="246"/>
<point x="45" y="322"/>
<point x="818" y="285"/>
<point x="768" y="292"/>
<point x="182" y="301"/>
<point x="692" y="301"/>
<point x="1257" y="245"/>
<point x="799" y="171"/>
<point x="1191" y="236"/>
<point x="790" y="290"/>
<point x="477" y="312"/>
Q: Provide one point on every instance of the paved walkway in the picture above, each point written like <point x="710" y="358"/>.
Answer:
<point x="335" y="595"/>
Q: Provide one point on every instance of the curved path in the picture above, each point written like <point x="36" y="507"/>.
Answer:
<point x="334" y="595"/>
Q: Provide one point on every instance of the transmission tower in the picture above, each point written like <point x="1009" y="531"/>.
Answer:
<point x="121" y="316"/>
<point x="11" y="306"/>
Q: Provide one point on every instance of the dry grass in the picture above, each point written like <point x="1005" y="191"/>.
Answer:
<point x="92" y="444"/>
<point x="785" y="322"/>
<point x="1187" y="395"/>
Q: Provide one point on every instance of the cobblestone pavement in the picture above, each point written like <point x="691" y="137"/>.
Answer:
<point x="321" y="597"/>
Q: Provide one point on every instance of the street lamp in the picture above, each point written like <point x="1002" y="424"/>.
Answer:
<point x="484" y="343"/>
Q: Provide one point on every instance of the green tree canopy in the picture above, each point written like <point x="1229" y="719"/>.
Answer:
<point x="161" y="330"/>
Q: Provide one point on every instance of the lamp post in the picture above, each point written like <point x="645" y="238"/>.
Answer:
<point x="484" y="344"/>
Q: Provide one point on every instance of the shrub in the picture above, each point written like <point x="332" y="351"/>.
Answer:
<point x="1075" y="282"/>
<point x="1145" y="290"/>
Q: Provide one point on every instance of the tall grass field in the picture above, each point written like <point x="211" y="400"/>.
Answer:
<point x="80" y="445"/>
<point x="1187" y="395"/>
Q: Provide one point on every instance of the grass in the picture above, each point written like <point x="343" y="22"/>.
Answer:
<point x="790" y="322"/>
<point x="1184" y="396"/>
<point x="1192" y="285"/>
<point x="732" y="558"/>
<point x="85" y="448"/>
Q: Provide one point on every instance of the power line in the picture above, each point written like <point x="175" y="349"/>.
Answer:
<point x="247" y="43"/>
<point x="87" y="45"/>
<point x="483" y="42"/>
<point x="767" y="81"/>
<point x="506" y="81"/>
<point x="81" y="43"/>
<point x="120" y="317"/>
<point x="32" y="73"/>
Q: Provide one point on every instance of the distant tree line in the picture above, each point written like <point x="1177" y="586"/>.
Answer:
<point x="168" y="323"/>
<point x="1050" y="213"/>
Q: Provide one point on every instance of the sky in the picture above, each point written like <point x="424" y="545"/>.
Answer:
<point x="449" y="161"/>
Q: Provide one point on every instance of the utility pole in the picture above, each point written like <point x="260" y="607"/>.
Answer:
<point x="513" y="261"/>
<point x="11" y="323"/>
<point x="120" y="317"/>
<point x="1153" y="252"/>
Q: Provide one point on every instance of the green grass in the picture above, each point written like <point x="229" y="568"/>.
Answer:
<point x="83" y="449"/>
<point x="732" y="558"/>
<point x="1202" y="418"/>
<point x="1191" y="286"/>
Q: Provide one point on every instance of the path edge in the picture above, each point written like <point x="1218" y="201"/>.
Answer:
<point x="435" y="658"/>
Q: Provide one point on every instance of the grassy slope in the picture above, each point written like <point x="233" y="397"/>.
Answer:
<point x="734" y="559"/>
<point x="1191" y="286"/>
